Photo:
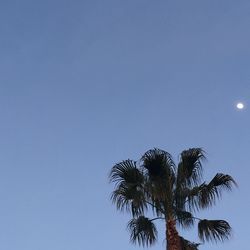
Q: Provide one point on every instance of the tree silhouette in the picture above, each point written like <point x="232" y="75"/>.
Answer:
<point x="174" y="193"/>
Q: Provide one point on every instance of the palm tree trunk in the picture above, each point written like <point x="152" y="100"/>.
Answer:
<point x="172" y="236"/>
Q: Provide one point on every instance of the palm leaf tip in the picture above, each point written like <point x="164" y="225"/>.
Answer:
<point x="214" y="230"/>
<point x="143" y="231"/>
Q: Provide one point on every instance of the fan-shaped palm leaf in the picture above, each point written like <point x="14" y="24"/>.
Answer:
<point x="129" y="197"/>
<point x="214" y="230"/>
<point x="129" y="193"/>
<point x="205" y="195"/>
<point x="191" y="197"/>
<point x="159" y="170"/>
<point x="158" y="163"/>
<point x="213" y="190"/>
<point x="126" y="172"/>
<point x="143" y="231"/>
<point x="184" y="218"/>
<point x="190" y="167"/>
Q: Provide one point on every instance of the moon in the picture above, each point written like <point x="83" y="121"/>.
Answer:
<point x="240" y="105"/>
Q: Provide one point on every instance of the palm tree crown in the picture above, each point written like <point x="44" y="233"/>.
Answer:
<point x="173" y="192"/>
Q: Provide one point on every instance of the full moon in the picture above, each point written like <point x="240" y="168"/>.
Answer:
<point x="240" y="105"/>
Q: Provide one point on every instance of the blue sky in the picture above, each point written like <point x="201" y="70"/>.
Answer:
<point x="85" y="84"/>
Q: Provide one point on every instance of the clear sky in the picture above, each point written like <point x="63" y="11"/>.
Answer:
<point x="85" y="84"/>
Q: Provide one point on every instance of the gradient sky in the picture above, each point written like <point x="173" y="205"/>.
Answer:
<point x="85" y="84"/>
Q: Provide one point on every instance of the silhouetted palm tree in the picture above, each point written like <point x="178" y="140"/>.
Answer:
<point x="174" y="193"/>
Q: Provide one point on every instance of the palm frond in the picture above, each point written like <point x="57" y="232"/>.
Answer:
<point x="159" y="170"/>
<point x="129" y="192"/>
<point x="184" y="218"/>
<point x="158" y="163"/>
<point x="214" y="230"/>
<point x="224" y="181"/>
<point x="129" y="198"/>
<point x="191" y="197"/>
<point x="190" y="167"/>
<point x="213" y="190"/>
<point x="208" y="193"/>
<point x="188" y="245"/>
<point x="205" y="195"/>
<point x="157" y="206"/>
<point x="126" y="172"/>
<point x="143" y="231"/>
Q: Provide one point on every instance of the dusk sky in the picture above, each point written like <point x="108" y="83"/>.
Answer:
<point x="86" y="84"/>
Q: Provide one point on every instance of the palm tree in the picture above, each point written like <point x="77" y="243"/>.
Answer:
<point x="173" y="193"/>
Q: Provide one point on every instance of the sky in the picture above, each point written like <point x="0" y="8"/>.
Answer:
<point x="86" y="84"/>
